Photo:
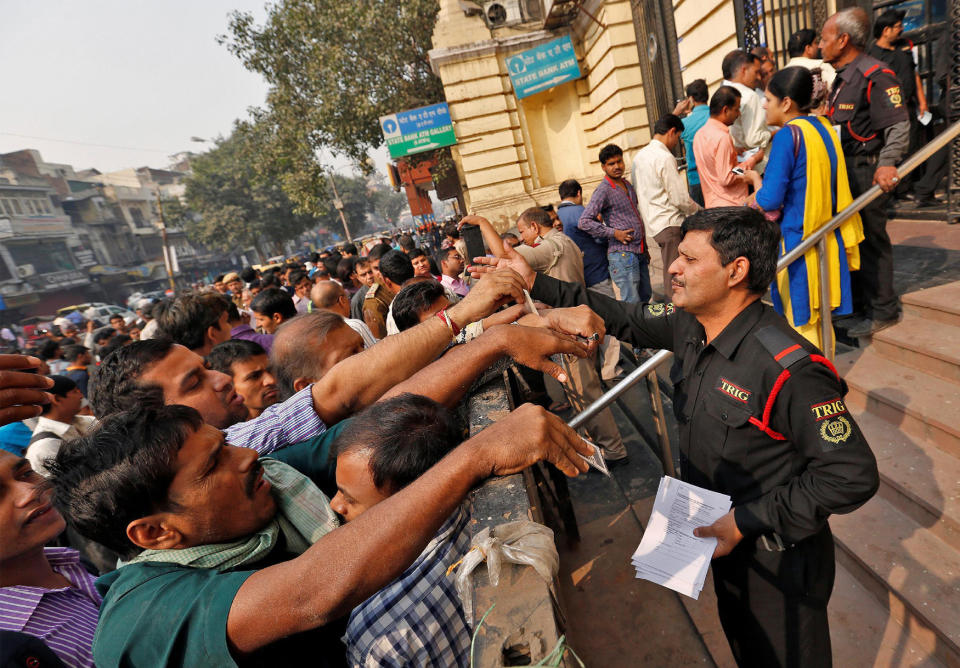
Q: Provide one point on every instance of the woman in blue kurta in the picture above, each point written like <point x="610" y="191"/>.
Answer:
<point x="806" y="179"/>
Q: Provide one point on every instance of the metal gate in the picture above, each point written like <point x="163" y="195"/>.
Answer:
<point x="659" y="57"/>
<point x="770" y="23"/>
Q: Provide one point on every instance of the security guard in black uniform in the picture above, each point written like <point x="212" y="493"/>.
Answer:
<point x="866" y="102"/>
<point x="761" y="417"/>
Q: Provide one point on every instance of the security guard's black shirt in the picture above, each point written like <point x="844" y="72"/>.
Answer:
<point x="788" y="486"/>
<point x="866" y="97"/>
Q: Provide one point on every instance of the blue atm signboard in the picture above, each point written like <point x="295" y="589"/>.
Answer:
<point x="543" y="67"/>
<point x="418" y="130"/>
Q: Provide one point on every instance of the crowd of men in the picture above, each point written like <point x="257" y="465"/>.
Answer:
<point x="271" y="468"/>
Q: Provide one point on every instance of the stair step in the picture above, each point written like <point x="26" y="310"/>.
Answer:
<point x="920" y="404"/>
<point x="862" y="632"/>
<point x="922" y="481"/>
<point x="933" y="347"/>
<point x="907" y="568"/>
<point x="940" y="303"/>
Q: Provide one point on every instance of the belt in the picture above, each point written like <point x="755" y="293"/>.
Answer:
<point x="772" y="542"/>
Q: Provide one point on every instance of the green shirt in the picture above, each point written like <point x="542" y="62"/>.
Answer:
<point x="161" y="614"/>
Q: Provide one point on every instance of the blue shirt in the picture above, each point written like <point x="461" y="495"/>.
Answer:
<point x="15" y="437"/>
<point x="693" y="122"/>
<point x="594" y="250"/>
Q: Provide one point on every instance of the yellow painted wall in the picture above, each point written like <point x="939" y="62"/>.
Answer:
<point x="706" y="32"/>
<point x="513" y="154"/>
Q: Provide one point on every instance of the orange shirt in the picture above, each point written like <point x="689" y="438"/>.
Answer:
<point x="715" y="156"/>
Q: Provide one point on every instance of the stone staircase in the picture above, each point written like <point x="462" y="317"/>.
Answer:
<point x="903" y="547"/>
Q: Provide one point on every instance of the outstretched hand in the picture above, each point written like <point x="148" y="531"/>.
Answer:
<point x="506" y="258"/>
<point x="526" y="436"/>
<point x="22" y="394"/>
<point x="498" y="288"/>
<point x="533" y="347"/>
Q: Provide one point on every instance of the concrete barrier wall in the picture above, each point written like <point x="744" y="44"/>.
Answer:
<point x="525" y="619"/>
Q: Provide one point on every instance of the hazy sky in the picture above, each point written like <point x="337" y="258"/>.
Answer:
<point x="80" y="78"/>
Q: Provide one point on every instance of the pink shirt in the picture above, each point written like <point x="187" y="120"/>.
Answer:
<point x="715" y="156"/>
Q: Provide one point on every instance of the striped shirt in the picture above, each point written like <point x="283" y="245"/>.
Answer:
<point x="65" y="619"/>
<point x="280" y="425"/>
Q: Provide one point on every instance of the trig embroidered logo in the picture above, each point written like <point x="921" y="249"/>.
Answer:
<point x="826" y="409"/>
<point x="893" y="94"/>
<point x="836" y="430"/>
<point x="733" y="390"/>
<point x="660" y="309"/>
<point x="845" y="107"/>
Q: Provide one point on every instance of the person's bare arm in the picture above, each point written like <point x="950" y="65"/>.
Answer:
<point x="921" y="96"/>
<point x="360" y="380"/>
<point x="346" y="566"/>
<point x="490" y="237"/>
<point x="448" y="379"/>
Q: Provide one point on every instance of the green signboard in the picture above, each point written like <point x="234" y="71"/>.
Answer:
<point x="418" y="130"/>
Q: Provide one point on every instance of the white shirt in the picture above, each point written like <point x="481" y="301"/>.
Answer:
<point x="750" y="131"/>
<point x="39" y="451"/>
<point x="662" y="195"/>
<point x="149" y="330"/>
<point x="827" y="73"/>
<point x="302" y="304"/>
<point x="361" y="328"/>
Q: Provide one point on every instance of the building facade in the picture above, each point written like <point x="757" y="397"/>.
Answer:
<point x="635" y="58"/>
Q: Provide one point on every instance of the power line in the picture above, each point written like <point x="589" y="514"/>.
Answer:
<point x="83" y="143"/>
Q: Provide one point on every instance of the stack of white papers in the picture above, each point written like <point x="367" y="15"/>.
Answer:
<point x="669" y="553"/>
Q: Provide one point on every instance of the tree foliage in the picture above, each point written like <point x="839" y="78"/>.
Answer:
<point x="335" y="67"/>
<point x="238" y="196"/>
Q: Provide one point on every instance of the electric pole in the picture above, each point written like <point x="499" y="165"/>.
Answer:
<point x="338" y="205"/>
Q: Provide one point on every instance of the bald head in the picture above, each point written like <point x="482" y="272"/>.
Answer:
<point x="330" y="295"/>
<point x="305" y="348"/>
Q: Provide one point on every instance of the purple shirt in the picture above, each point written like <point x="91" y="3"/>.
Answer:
<point x="619" y="211"/>
<point x="248" y="333"/>
<point x="66" y="618"/>
<point x="279" y="425"/>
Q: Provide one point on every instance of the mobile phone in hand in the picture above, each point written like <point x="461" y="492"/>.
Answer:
<point x="738" y="171"/>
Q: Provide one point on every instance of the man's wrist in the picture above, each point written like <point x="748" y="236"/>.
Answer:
<point x="459" y="315"/>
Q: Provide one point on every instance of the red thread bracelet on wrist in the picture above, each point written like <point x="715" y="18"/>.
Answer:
<point x="448" y="321"/>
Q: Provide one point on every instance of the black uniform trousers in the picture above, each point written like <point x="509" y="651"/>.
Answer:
<point x="873" y="293"/>
<point x="773" y="605"/>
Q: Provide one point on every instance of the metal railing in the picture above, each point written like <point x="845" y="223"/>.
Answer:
<point x="818" y="239"/>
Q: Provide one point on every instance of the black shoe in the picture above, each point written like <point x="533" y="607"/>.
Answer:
<point x="869" y="326"/>
<point x="616" y="463"/>
<point x="928" y="202"/>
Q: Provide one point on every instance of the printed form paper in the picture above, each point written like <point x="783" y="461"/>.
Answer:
<point x="669" y="554"/>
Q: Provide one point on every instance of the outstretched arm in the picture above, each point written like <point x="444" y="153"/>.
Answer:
<point x="346" y="566"/>
<point x="448" y="379"/>
<point x="360" y="380"/>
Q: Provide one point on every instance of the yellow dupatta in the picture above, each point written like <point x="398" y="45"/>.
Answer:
<point x="817" y="210"/>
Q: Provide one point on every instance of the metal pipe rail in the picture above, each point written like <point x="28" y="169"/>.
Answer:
<point x="818" y="238"/>
<point x="857" y="205"/>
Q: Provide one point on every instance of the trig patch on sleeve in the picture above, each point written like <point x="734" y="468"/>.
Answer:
<point x="894" y="96"/>
<point x="833" y="422"/>
<point x="823" y="410"/>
